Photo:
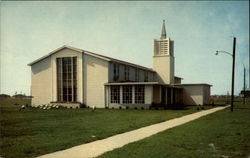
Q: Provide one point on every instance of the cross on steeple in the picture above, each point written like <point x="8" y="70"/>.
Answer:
<point x="163" y="32"/>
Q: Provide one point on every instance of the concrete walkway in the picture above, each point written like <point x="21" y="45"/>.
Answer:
<point x="96" y="148"/>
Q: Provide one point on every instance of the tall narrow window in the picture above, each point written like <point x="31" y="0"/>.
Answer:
<point x="115" y="94"/>
<point x="67" y="79"/>
<point x="74" y="79"/>
<point x="116" y="72"/>
<point x="139" y="94"/>
<point x="145" y="76"/>
<point x="127" y="94"/>
<point x="126" y="73"/>
<point x="152" y="76"/>
<point x="59" y="79"/>
<point x="136" y="75"/>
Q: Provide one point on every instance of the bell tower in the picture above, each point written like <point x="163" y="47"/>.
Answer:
<point x="163" y="59"/>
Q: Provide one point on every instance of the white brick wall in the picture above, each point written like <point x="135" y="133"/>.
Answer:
<point x="164" y="66"/>
<point x="41" y="82"/>
<point x="193" y="95"/>
<point x="95" y="72"/>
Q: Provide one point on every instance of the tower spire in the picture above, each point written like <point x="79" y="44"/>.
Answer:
<point x="163" y="32"/>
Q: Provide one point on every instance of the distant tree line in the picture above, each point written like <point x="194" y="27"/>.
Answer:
<point x="20" y="96"/>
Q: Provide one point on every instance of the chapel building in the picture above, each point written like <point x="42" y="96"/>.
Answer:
<point x="72" y="77"/>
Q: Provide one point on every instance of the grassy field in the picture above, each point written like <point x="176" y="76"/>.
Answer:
<point x="227" y="100"/>
<point x="33" y="132"/>
<point x="223" y="133"/>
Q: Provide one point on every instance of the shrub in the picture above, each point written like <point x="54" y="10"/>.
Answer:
<point x="83" y="106"/>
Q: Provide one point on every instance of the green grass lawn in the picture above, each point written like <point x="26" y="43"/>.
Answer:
<point x="33" y="132"/>
<point x="229" y="132"/>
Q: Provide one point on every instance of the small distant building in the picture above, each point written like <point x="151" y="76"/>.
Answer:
<point x="72" y="76"/>
<point x="245" y="93"/>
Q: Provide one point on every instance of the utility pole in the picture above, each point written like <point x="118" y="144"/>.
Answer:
<point x="232" y="94"/>
<point x="244" y="85"/>
<point x="249" y="72"/>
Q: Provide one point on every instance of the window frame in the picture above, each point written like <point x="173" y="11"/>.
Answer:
<point x="126" y="73"/>
<point x="146" y="76"/>
<point x="137" y="75"/>
<point x="116" y="72"/>
<point x="139" y="94"/>
<point x="66" y="72"/>
<point x="127" y="94"/>
<point x="115" y="94"/>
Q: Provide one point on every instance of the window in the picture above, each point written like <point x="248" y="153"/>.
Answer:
<point x="126" y="73"/>
<point x="116" y="72"/>
<point x="152" y="77"/>
<point x="115" y="94"/>
<point x="74" y="79"/>
<point x="145" y="76"/>
<point x="127" y="94"/>
<point x="139" y="94"/>
<point x="136" y="75"/>
<point x="66" y="79"/>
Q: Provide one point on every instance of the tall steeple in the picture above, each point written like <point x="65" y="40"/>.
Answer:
<point x="163" y="32"/>
<point x="163" y="59"/>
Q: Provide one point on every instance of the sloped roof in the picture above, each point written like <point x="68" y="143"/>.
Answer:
<point x="92" y="54"/>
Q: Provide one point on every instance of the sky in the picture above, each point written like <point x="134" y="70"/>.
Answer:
<point x="126" y="30"/>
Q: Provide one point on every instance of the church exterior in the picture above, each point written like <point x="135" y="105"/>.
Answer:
<point x="71" y="77"/>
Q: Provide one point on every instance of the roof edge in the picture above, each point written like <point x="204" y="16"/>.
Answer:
<point x="91" y="54"/>
<point x="178" y="77"/>
<point x="194" y="84"/>
<point x="53" y="52"/>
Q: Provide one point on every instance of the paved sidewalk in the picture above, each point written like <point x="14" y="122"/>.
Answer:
<point x="96" y="148"/>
